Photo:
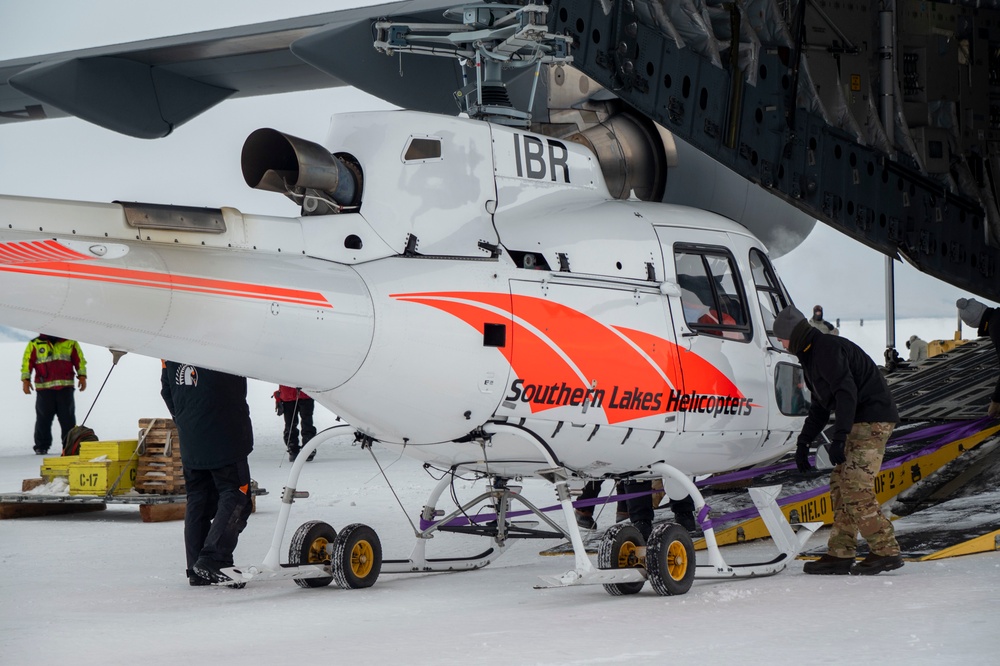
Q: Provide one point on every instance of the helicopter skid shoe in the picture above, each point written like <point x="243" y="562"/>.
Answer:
<point x="593" y="577"/>
<point x="260" y="572"/>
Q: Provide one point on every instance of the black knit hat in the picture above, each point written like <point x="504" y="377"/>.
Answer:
<point x="786" y="321"/>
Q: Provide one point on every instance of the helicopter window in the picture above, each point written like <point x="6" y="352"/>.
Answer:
<point x="771" y="294"/>
<point x="422" y="149"/>
<point x="790" y="392"/>
<point x="710" y="293"/>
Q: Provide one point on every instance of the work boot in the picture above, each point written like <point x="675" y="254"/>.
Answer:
<point x="293" y="453"/>
<point x="686" y="520"/>
<point x="39" y="451"/>
<point x="312" y="455"/>
<point x="194" y="580"/>
<point x="585" y="522"/>
<point x="828" y="565"/>
<point x="645" y="528"/>
<point x="211" y="571"/>
<point x="876" y="564"/>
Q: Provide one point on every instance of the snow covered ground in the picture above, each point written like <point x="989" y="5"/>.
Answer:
<point x="105" y="588"/>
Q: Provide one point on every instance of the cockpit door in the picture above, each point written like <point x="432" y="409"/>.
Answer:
<point x="726" y="387"/>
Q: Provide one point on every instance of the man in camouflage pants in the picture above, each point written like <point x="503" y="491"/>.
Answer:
<point x="844" y="381"/>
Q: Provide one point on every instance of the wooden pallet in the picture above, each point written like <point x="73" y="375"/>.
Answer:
<point x="152" y="508"/>
<point x="159" y="470"/>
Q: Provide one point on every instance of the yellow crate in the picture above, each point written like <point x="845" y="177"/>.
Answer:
<point x="57" y="466"/>
<point x="94" y="478"/>
<point x="122" y="450"/>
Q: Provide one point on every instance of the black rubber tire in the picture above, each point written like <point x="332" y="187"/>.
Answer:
<point x="670" y="560"/>
<point x="357" y="557"/>
<point x="308" y="546"/>
<point x="618" y="551"/>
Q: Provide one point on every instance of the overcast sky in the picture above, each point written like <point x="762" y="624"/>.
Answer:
<point x="198" y="165"/>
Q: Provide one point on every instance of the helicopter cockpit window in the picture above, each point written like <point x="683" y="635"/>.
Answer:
<point x="790" y="392"/>
<point x="771" y="294"/>
<point x="422" y="149"/>
<point x="711" y="295"/>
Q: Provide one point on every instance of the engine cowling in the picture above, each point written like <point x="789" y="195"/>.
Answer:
<point x="632" y="155"/>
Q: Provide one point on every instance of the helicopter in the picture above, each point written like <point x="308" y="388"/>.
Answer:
<point x="477" y="298"/>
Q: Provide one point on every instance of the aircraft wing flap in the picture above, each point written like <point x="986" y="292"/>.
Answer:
<point x="201" y="69"/>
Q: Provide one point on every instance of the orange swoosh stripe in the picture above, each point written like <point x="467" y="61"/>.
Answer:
<point x="560" y="347"/>
<point x="698" y="374"/>
<point x="663" y="353"/>
<point x="36" y="251"/>
<point x="531" y="351"/>
<point x="17" y="258"/>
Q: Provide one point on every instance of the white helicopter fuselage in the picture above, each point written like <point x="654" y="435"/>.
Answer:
<point x="487" y="276"/>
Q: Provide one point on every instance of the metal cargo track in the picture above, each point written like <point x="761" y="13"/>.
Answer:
<point x="956" y="385"/>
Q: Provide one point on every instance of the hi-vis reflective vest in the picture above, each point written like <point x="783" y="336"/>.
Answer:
<point x="56" y="363"/>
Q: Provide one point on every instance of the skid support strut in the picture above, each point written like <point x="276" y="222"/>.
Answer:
<point x="788" y="542"/>
<point x="271" y="568"/>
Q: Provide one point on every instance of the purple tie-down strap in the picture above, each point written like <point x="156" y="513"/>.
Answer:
<point x="703" y="520"/>
<point x="751" y="511"/>
<point x="743" y="474"/>
<point x="951" y="432"/>
<point x="947" y="432"/>
<point x="459" y="521"/>
<point x="928" y="432"/>
<point x="968" y="429"/>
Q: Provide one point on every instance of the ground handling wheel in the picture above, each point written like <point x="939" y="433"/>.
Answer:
<point x="357" y="557"/>
<point x="309" y="546"/>
<point x="619" y="549"/>
<point x="670" y="559"/>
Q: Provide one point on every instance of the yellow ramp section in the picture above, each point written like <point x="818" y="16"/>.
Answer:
<point x="981" y="544"/>
<point x="816" y="505"/>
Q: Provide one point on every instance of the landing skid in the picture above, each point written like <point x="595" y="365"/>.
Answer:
<point x="788" y="542"/>
<point x="353" y="558"/>
<point x="324" y="565"/>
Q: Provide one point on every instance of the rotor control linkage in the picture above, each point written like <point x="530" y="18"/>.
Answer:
<point x="491" y="39"/>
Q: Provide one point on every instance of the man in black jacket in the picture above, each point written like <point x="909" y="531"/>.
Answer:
<point x="213" y="421"/>
<point x="845" y="381"/>
<point x="986" y="321"/>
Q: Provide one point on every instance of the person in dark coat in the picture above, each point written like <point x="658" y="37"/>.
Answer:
<point x="295" y="405"/>
<point x="213" y="420"/>
<point x="844" y="381"/>
<point x="638" y="509"/>
<point x="986" y="321"/>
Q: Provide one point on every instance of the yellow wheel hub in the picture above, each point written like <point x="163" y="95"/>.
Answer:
<point x="362" y="559"/>
<point x="628" y="556"/>
<point x="318" y="552"/>
<point x="677" y="562"/>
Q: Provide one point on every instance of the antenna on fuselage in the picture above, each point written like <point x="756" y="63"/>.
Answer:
<point x="491" y="38"/>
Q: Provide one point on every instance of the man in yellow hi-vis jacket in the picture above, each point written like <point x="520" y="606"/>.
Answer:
<point x="55" y="362"/>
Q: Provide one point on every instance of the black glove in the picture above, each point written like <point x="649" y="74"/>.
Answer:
<point x="802" y="457"/>
<point x="836" y="451"/>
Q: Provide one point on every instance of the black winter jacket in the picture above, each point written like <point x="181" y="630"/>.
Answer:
<point x="844" y="380"/>
<point x="990" y="325"/>
<point x="211" y="412"/>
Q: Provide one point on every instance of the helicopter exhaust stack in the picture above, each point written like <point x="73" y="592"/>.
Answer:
<point x="305" y="172"/>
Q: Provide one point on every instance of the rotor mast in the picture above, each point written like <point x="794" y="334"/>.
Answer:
<point x="491" y="39"/>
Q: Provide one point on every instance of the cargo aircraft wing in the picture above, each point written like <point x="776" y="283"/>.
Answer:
<point x="147" y="88"/>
